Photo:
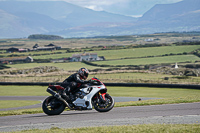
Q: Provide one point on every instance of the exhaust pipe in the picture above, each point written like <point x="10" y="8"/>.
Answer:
<point x="53" y="93"/>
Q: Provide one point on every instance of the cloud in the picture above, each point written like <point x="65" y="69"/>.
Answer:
<point x="96" y="4"/>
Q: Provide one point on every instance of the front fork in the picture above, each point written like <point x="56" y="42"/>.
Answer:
<point x="102" y="97"/>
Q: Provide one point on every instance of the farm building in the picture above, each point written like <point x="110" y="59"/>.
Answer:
<point x="44" y="48"/>
<point x="86" y="57"/>
<point x="11" y="60"/>
<point x="12" y="50"/>
<point x="49" y="47"/>
<point x="52" y="45"/>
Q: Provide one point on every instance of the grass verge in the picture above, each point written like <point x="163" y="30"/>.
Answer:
<point x="16" y="103"/>
<point x="188" y="99"/>
<point x="21" y="112"/>
<point x="147" y="128"/>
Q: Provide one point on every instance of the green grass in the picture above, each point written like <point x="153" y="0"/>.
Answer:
<point x="31" y="53"/>
<point x="23" y="91"/>
<point x="152" y="60"/>
<point x="187" y="99"/>
<point x="71" y="66"/>
<point x="152" y="92"/>
<point x="113" y="91"/>
<point x="143" y="52"/>
<point x="74" y="66"/>
<point x="117" y="54"/>
<point x="131" y="77"/>
<point x="128" y="53"/>
<point x="16" y="103"/>
<point x="54" y="56"/>
<point x="145" y="128"/>
<point x="111" y="77"/>
<point x="21" y="112"/>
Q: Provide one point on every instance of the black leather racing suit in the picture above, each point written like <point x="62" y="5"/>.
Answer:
<point x="73" y="82"/>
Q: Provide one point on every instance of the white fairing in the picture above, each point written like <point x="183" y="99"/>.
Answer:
<point x="86" y="101"/>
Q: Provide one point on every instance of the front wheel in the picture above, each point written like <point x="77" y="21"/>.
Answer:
<point x="53" y="106"/>
<point x="104" y="106"/>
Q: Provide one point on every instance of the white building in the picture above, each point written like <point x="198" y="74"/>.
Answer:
<point x="85" y="56"/>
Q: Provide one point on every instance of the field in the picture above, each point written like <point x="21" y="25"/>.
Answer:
<point x="116" y="54"/>
<point x="145" y="52"/>
<point x="152" y="60"/>
<point x="127" y="58"/>
<point x="162" y="38"/>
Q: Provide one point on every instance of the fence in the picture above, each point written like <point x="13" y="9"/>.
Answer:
<point x="112" y="84"/>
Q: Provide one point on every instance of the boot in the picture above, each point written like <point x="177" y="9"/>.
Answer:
<point x="67" y="94"/>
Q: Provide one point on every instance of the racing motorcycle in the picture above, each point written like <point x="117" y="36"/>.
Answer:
<point x="94" y="94"/>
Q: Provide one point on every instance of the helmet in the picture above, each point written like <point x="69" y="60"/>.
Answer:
<point x="83" y="72"/>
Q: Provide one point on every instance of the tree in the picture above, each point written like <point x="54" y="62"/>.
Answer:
<point x="45" y="37"/>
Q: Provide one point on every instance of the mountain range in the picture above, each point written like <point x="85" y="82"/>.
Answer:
<point x="19" y="19"/>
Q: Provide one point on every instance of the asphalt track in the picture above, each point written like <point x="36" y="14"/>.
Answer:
<point x="157" y="114"/>
<point x="186" y="113"/>
<point x="41" y="98"/>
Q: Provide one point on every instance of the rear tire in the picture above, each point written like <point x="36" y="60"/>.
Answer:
<point x="53" y="106"/>
<point x="104" y="107"/>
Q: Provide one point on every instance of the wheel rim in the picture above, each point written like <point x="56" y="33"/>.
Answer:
<point x="105" y="105"/>
<point x="52" y="104"/>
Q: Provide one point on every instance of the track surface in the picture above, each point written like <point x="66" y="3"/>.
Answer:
<point x="41" y="98"/>
<point x="171" y="113"/>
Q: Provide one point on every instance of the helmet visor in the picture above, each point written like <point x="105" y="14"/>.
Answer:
<point x="86" y="74"/>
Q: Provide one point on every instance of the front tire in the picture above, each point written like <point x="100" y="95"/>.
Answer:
<point x="104" y="107"/>
<point x="53" y="106"/>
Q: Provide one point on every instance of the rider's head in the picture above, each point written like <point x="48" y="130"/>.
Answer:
<point x="83" y="72"/>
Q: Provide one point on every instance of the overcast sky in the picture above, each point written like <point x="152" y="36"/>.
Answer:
<point x="124" y="7"/>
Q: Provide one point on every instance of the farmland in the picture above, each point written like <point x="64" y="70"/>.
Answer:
<point x="125" y="55"/>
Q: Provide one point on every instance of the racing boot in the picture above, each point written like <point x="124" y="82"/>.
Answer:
<point x="67" y="94"/>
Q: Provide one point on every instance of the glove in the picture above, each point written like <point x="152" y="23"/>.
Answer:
<point x="89" y="81"/>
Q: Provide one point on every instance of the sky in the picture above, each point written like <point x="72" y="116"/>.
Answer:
<point x="135" y="8"/>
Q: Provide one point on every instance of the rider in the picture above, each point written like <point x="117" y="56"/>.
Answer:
<point x="73" y="82"/>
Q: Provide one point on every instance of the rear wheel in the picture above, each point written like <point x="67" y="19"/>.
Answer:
<point x="104" y="106"/>
<point x="53" y="106"/>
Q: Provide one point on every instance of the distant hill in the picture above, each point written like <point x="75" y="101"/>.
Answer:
<point x="181" y="16"/>
<point x="25" y="18"/>
<point x="21" y="19"/>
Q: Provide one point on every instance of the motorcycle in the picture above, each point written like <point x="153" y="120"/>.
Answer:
<point x="94" y="94"/>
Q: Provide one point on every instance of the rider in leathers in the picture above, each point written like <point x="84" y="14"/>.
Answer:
<point x="73" y="82"/>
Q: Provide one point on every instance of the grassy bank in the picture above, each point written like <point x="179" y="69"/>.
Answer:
<point x="147" y="128"/>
